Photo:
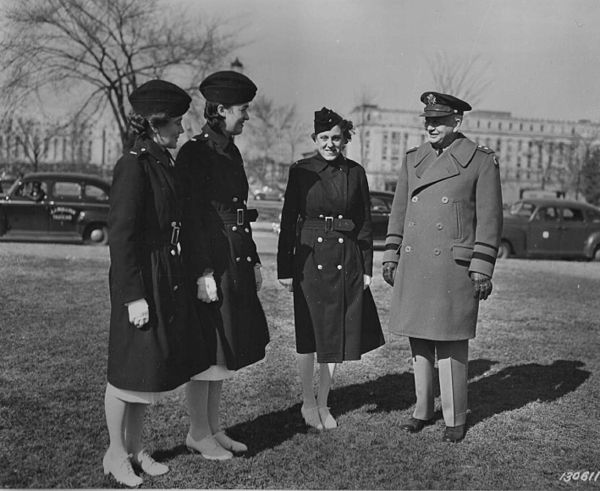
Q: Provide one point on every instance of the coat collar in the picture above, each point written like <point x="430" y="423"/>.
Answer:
<point x="219" y="139"/>
<point x="341" y="162"/>
<point x="146" y="145"/>
<point x="462" y="149"/>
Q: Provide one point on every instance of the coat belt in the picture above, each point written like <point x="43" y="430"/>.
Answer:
<point x="329" y="223"/>
<point x="241" y="216"/>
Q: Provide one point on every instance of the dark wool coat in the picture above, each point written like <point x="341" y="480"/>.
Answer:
<point x="168" y="350"/>
<point x="211" y="171"/>
<point x="327" y="259"/>
<point x="446" y="222"/>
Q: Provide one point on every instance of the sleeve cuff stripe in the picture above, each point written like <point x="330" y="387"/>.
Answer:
<point x="486" y="245"/>
<point x="484" y="257"/>
<point x="394" y="235"/>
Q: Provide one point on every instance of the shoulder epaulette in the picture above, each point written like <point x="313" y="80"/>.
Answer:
<point x="484" y="149"/>
<point x="132" y="152"/>
<point x="411" y="149"/>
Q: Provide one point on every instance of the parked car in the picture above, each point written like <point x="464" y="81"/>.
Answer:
<point x="381" y="206"/>
<point x="267" y="193"/>
<point x="56" y="207"/>
<point x="551" y="228"/>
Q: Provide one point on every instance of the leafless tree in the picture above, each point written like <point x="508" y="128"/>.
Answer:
<point x="103" y="50"/>
<point x="463" y="76"/>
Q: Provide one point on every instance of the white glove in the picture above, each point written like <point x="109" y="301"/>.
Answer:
<point x="139" y="313"/>
<point x="258" y="277"/>
<point x="366" y="281"/>
<point x="207" y="288"/>
<point x="287" y="283"/>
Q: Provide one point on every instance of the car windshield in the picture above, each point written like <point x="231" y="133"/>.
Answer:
<point x="522" y="209"/>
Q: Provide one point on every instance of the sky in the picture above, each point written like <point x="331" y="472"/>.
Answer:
<point x="542" y="56"/>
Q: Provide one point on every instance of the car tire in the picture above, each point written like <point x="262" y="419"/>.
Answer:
<point x="596" y="255"/>
<point x="96" y="234"/>
<point x="504" y="250"/>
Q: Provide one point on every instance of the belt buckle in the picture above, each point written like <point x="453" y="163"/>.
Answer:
<point x="240" y="217"/>
<point x="176" y="227"/>
<point x="328" y="223"/>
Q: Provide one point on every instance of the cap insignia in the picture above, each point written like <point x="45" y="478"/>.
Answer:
<point x="431" y="99"/>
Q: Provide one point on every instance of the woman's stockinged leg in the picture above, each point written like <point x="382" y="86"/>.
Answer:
<point x="214" y="402"/>
<point x="196" y="393"/>
<point x="326" y="373"/>
<point x="134" y="425"/>
<point x="309" y="410"/>
<point x="115" y="410"/>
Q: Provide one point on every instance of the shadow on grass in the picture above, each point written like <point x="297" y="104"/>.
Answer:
<point x="514" y="387"/>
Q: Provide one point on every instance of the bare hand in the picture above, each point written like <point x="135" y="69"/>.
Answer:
<point x="389" y="272"/>
<point x="207" y="288"/>
<point x="366" y="281"/>
<point x="139" y="313"/>
<point x="482" y="285"/>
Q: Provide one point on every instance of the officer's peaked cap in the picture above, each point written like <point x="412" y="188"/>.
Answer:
<point x="438" y="105"/>
<point x="228" y="87"/>
<point x="160" y="96"/>
<point x="325" y="119"/>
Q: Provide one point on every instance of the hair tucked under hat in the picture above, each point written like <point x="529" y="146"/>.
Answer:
<point x="160" y="97"/>
<point x="325" y="119"/>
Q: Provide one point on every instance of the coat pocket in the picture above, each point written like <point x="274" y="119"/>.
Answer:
<point x="462" y="254"/>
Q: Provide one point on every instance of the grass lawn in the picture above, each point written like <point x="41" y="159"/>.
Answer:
<point x="534" y="390"/>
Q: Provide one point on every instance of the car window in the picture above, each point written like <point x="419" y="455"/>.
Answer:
<point x="94" y="192"/>
<point x="379" y="205"/>
<point x="67" y="190"/>
<point x="593" y="216"/>
<point x="522" y="209"/>
<point x="34" y="190"/>
<point x="572" y="214"/>
<point x="546" y="214"/>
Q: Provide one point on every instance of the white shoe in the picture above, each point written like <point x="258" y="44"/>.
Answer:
<point x="229" y="444"/>
<point x="329" y="423"/>
<point x="311" y="417"/>
<point x="121" y="470"/>
<point x="208" y="447"/>
<point x="149" y="465"/>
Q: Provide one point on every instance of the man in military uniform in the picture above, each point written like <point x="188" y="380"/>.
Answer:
<point x="440" y="250"/>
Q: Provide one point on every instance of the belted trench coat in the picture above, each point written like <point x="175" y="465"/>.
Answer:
<point x="218" y="238"/>
<point x="326" y="246"/>
<point x="145" y="263"/>
<point x="445" y="223"/>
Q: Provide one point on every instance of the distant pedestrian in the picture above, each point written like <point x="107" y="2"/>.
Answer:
<point x="222" y="256"/>
<point x="325" y="256"/>
<point x="441" y="247"/>
<point x="154" y="346"/>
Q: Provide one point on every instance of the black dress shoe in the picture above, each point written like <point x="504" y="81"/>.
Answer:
<point x="454" y="434"/>
<point x="414" y="425"/>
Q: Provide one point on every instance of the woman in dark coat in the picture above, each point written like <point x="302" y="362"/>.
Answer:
<point x="154" y="345"/>
<point x="222" y="256"/>
<point x="325" y="256"/>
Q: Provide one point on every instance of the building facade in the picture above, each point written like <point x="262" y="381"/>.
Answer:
<point x="534" y="154"/>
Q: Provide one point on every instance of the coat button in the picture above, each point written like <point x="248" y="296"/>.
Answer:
<point x="439" y="226"/>
<point x="437" y="252"/>
<point x="411" y="224"/>
<point x="235" y="199"/>
<point x="234" y="228"/>
<point x="408" y="248"/>
<point x="247" y="230"/>
<point x="340" y="216"/>
<point x="173" y="253"/>
<point x="175" y="288"/>
<point x="445" y="199"/>
<point x="249" y="259"/>
<point x="340" y="240"/>
<point x="321" y="216"/>
<point x="238" y="259"/>
<point x="319" y="239"/>
<point x="319" y="266"/>
<point x="339" y="266"/>
<point x="414" y="199"/>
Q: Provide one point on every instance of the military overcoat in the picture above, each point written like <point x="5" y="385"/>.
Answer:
<point x="446" y="222"/>
<point x="327" y="258"/>
<point x="218" y="238"/>
<point x="145" y="263"/>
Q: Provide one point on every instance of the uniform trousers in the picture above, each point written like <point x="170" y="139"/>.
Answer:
<point x="452" y="367"/>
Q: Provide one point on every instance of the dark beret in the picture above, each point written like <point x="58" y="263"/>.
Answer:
<point x="438" y="105"/>
<point x="159" y="96"/>
<point x="228" y="87"/>
<point x="325" y="119"/>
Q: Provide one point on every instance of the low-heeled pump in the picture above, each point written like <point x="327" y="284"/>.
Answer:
<point x="121" y="470"/>
<point x="228" y="443"/>
<point x="311" y="417"/>
<point x="208" y="447"/>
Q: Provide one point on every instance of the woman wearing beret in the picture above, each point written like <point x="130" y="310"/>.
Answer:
<point x="221" y="255"/>
<point x="154" y="345"/>
<point x="325" y="256"/>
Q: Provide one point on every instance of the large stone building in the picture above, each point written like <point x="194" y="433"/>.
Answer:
<point x="534" y="154"/>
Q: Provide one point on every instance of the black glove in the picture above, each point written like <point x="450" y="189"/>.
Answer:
<point x="389" y="271"/>
<point x="482" y="285"/>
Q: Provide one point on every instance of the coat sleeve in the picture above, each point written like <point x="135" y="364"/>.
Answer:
<point x="395" y="230"/>
<point x="488" y="217"/>
<point x="192" y="181"/>
<point x="125" y="223"/>
<point x="289" y="220"/>
<point x="365" y="234"/>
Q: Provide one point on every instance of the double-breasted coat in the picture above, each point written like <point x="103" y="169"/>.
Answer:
<point x="445" y="223"/>
<point x="218" y="238"/>
<point x="145" y="263"/>
<point x="326" y="246"/>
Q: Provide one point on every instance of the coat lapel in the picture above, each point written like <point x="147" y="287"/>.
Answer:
<point x="433" y="169"/>
<point x="163" y="159"/>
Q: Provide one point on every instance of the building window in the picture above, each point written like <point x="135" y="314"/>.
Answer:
<point x="500" y="125"/>
<point x="510" y="126"/>
<point x="520" y="126"/>
<point x="489" y="125"/>
<point x="541" y="127"/>
<point x="478" y="124"/>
